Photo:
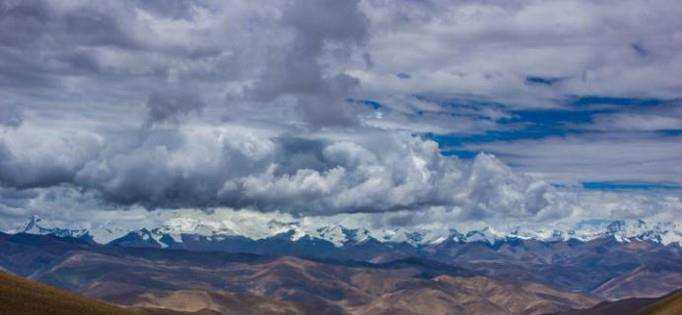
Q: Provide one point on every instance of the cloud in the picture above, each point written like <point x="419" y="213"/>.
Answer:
<point x="567" y="209"/>
<point x="590" y="157"/>
<point x="33" y="156"/>
<point x="174" y="9"/>
<point x="288" y="56"/>
<point x="204" y="166"/>
<point x="322" y="31"/>
<point x="172" y="103"/>
<point x="660" y="117"/>
<point x="11" y="115"/>
<point x="636" y="122"/>
<point x="190" y="104"/>
<point x="304" y="58"/>
<point x="491" y="48"/>
<point x="380" y="180"/>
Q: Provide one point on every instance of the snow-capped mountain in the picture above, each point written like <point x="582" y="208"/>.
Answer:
<point x="37" y="225"/>
<point x="176" y="230"/>
<point x="622" y="231"/>
<point x="102" y="234"/>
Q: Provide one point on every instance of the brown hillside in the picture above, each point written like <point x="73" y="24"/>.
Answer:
<point x="22" y="296"/>
<point x="670" y="304"/>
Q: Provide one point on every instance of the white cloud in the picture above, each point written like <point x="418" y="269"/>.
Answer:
<point x="488" y="48"/>
<point x="208" y="166"/>
<point x="667" y="116"/>
<point x="573" y="159"/>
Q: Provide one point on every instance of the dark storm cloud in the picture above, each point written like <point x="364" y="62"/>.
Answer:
<point x="23" y="22"/>
<point x="93" y="26"/>
<point x="151" y="173"/>
<point x="302" y="154"/>
<point x="188" y="167"/>
<point x="95" y="50"/>
<point x="214" y="172"/>
<point x="43" y="42"/>
<point x="16" y="198"/>
<point x="319" y="28"/>
<point x="176" y="9"/>
<point x="114" y="50"/>
<point x="170" y="105"/>
<point x="39" y="23"/>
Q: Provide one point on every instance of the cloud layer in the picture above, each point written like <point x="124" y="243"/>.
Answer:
<point x="242" y="167"/>
<point x="327" y="108"/>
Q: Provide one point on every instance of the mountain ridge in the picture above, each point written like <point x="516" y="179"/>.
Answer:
<point x="174" y="231"/>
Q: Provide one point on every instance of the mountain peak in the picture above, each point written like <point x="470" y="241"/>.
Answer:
<point x="32" y="224"/>
<point x="37" y="225"/>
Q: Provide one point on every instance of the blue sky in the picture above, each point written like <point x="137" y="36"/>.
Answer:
<point x="576" y="117"/>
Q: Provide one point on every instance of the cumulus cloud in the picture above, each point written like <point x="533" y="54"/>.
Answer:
<point x="35" y="158"/>
<point x="196" y="166"/>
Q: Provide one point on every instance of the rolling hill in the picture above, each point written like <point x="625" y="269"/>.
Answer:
<point x="670" y="304"/>
<point x="21" y="296"/>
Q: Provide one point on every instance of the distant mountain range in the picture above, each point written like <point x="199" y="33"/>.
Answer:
<point x="306" y="274"/>
<point x="180" y="230"/>
<point x="211" y="282"/>
<point x="601" y="258"/>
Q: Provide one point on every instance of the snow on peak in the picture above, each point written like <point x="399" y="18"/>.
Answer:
<point x="487" y="234"/>
<point x="335" y="234"/>
<point x="175" y="227"/>
<point x="40" y="226"/>
<point x="340" y="235"/>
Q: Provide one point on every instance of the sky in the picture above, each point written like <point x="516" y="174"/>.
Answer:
<point x="384" y="113"/>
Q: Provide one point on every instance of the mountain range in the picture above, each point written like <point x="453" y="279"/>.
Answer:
<point x="197" y="281"/>
<point x="349" y="271"/>
<point x="178" y="230"/>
